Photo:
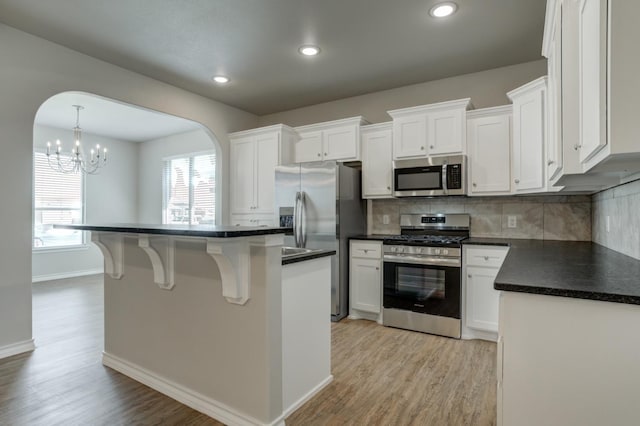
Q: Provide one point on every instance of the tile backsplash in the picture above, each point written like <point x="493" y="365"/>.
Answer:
<point x="553" y="217"/>
<point x="621" y="205"/>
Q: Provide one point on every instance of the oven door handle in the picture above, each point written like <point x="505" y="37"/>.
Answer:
<point x="424" y="260"/>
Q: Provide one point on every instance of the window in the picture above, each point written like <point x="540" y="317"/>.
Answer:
<point x="58" y="199"/>
<point x="190" y="189"/>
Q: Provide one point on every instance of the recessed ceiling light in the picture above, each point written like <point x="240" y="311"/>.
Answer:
<point x="441" y="10"/>
<point x="221" y="79"/>
<point x="309" y="50"/>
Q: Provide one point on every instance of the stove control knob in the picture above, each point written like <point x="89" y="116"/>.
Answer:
<point x="437" y="251"/>
<point x="400" y="249"/>
<point x="419" y="251"/>
<point x="445" y="252"/>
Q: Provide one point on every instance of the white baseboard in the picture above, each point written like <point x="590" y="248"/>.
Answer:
<point x="470" y="334"/>
<point x="195" y="400"/>
<point x="63" y="275"/>
<point x="357" y="315"/>
<point x="299" y="403"/>
<point x="17" y="348"/>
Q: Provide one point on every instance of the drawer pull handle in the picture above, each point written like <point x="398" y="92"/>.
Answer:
<point x="486" y="258"/>
<point x="377" y="268"/>
<point x="469" y="276"/>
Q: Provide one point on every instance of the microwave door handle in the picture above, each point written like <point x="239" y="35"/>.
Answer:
<point x="445" y="190"/>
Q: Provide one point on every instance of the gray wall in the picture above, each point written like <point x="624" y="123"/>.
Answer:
<point x="152" y="154"/>
<point x="554" y="217"/>
<point x="31" y="71"/>
<point x="622" y="205"/>
<point x="111" y="196"/>
<point x="486" y="89"/>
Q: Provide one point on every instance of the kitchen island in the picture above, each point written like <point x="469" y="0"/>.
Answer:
<point x="568" y="343"/>
<point x="198" y="313"/>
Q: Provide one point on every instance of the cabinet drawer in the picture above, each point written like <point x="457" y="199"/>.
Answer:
<point x="370" y="250"/>
<point x="486" y="256"/>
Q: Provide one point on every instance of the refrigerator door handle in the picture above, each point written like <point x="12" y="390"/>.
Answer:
<point x="303" y="219"/>
<point x="296" y="220"/>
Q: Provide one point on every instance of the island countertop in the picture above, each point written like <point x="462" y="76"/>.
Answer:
<point x="206" y="231"/>
<point x="582" y="270"/>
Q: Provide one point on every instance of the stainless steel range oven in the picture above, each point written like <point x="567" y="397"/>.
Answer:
<point x="422" y="274"/>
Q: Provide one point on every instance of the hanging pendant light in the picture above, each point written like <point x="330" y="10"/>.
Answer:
<point x="77" y="161"/>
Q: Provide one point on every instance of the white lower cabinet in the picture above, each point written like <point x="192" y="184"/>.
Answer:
<point x="481" y="300"/>
<point x="365" y="280"/>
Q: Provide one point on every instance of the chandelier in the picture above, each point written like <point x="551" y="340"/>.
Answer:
<point x="77" y="161"/>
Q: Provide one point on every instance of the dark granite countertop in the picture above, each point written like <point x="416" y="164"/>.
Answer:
<point x="375" y="237"/>
<point x="490" y="241"/>
<point x="209" y="231"/>
<point x="307" y="256"/>
<point x="582" y="270"/>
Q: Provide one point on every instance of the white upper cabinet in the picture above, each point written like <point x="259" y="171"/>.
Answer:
<point x="377" y="173"/>
<point x="333" y="140"/>
<point x="552" y="50"/>
<point x="599" y="72"/>
<point x="436" y="129"/>
<point x="529" y="136"/>
<point x="592" y="79"/>
<point x="254" y="156"/>
<point x="489" y="151"/>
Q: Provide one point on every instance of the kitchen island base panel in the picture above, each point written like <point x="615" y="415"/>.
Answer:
<point x="192" y="337"/>
<point x="565" y="361"/>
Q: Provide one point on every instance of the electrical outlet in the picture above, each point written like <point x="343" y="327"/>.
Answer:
<point x="608" y="224"/>
<point x="385" y="219"/>
<point x="512" y="221"/>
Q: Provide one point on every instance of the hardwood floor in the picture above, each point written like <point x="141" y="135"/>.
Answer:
<point x="382" y="376"/>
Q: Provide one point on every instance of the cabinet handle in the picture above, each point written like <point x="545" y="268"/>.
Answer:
<point x="430" y="146"/>
<point x="474" y="184"/>
<point x="422" y="148"/>
<point x="366" y="251"/>
<point x="469" y="276"/>
<point x="517" y="181"/>
<point x="325" y="154"/>
<point x="577" y="147"/>
<point x="550" y="162"/>
<point x="388" y="187"/>
<point x="486" y="258"/>
<point x="377" y="268"/>
<point x="319" y="155"/>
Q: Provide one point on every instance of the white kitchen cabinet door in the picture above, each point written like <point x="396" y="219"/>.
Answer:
<point x="308" y="147"/>
<point x="445" y="132"/>
<point x="366" y="282"/>
<point x="529" y="136"/>
<point x="341" y="143"/>
<point x="410" y="136"/>
<point x="592" y="76"/>
<point x="482" y="300"/>
<point x="377" y="172"/>
<point x="267" y="155"/>
<point x="489" y="151"/>
<point x="243" y="174"/>
<point x="554" y="161"/>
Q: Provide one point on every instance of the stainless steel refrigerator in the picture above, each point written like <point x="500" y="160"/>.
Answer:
<point x="321" y="204"/>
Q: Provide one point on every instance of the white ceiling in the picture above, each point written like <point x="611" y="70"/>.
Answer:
<point x="367" y="45"/>
<point x="109" y="118"/>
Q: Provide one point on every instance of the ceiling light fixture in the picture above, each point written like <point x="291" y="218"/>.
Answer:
<point x="221" y="79"/>
<point x="309" y="50"/>
<point x="442" y="10"/>
<point x="77" y="161"/>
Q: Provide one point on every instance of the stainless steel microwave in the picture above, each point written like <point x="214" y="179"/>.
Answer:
<point x="428" y="177"/>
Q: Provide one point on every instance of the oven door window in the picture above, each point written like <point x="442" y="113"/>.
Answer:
<point x="422" y="288"/>
<point x="420" y="284"/>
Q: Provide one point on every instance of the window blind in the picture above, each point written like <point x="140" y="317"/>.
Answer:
<point x="58" y="198"/>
